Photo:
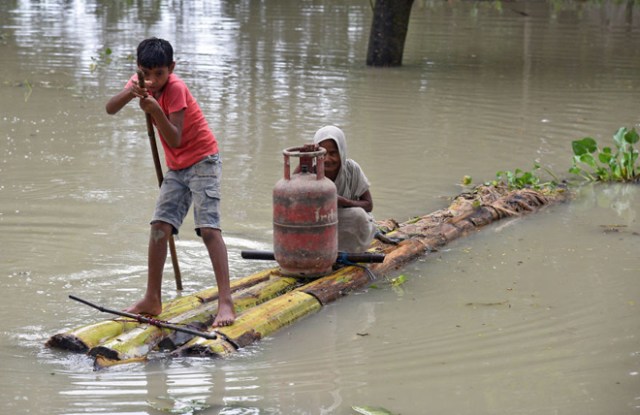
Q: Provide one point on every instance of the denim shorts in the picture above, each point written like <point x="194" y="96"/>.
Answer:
<point x="199" y="184"/>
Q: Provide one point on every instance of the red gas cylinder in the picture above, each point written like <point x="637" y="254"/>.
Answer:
<point x="305" y="216"/>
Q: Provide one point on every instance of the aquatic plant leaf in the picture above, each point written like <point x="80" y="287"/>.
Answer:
<point x="618" y="137"/>
<point x="575" y="170"/>
<point x="626" y="158"/>
<point x="605" y="156"/>
<point x="587" y="159"/>
<point x="585" y="146"/>
<point x="29" y="89"/>
<point x="399" y="280"/>
<point x="632" y="136"/>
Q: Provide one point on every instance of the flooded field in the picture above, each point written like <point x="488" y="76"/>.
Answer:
<point x="533" y="315"/>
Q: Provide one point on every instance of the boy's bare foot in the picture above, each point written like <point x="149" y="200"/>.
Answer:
<point x="145" y="306"/>
<point x="225" y="317"/>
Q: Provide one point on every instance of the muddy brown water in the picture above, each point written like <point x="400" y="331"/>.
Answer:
<point x="534" y="315"/>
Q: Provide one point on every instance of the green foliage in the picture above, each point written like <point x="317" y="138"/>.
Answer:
<point x="399" y="280"/>
<point x="519" y="179"/>
<point x="395" y="283"/>
<point x="604" y="164"/>
<point x="28" y="89"/>
<point x="103" y="59"/>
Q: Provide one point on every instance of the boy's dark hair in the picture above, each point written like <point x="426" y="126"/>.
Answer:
<point x="154" y="53"/>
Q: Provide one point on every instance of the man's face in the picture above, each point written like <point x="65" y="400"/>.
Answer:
<point x="156" y="78"/>
<point x="332" y="161"/>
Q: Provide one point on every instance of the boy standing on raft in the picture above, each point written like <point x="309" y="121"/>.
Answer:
<point x="191" y="153"/>
<point x="356" y="227"/>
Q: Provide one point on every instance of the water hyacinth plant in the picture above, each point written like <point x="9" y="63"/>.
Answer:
<point x="594" y="164"/>
<point x="520" y="179"/>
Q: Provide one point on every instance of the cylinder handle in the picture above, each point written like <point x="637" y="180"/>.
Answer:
<point x="306" y="153"/>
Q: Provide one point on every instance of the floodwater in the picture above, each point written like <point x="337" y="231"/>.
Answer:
<point x="535" y="315"/>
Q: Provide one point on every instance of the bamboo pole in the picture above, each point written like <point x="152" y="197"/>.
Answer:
<point x="158" y="168"/>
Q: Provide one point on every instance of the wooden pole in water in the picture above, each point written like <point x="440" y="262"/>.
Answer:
<point x="158" y="166"/>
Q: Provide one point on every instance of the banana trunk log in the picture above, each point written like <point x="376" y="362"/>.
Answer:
<point x="254" y="325"/>
<point x="84" y="338"/>
<point x="417" y="237"/>
<point x="135" y="344"/>
<point x="468" y="212"/>
<point x="263" y="308"/>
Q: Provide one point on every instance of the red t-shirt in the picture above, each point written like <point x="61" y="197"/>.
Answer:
<point x="198" y="140"/>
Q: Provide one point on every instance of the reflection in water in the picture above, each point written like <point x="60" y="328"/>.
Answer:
<point x="174" y="392"/>
<point x="534" y="315"/>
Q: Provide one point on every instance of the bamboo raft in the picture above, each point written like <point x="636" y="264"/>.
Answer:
<point x="267" y="301"/>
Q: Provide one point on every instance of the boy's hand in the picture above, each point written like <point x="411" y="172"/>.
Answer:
<point x="122" y="98"/>
<point x="138" y="92"/>
<point x="149" y="104"/>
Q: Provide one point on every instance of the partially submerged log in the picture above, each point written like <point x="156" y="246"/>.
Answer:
<point x="267" y="301"/>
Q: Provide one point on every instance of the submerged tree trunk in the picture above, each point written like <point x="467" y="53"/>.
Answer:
<point x="388" y="32"/>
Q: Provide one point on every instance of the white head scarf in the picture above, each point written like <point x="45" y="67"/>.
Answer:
<point x="351" y="181"/>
